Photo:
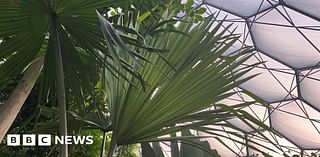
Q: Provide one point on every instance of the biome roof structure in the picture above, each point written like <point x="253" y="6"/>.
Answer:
<point x="286" y="37"/>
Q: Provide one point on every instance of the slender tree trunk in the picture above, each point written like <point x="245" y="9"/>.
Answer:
<point x="113" y="146"/>
<point x="11" y="108"/>
<point x="61" y="95"/>
<point x="103" y="147"/>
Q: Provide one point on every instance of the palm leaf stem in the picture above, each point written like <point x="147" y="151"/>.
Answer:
<point x="103" y="147"/>
<point x="61" y="96"/>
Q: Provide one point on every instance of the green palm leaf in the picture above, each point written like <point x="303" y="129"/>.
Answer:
<point x="72" y="36"/>
<point x="198" y="75"/>
<point x="24" y="28"/>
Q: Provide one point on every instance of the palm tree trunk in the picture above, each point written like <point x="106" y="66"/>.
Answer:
<point x="103" y="147"/>
<point x="61" y="95"/>
<point x="19" y="95"/>
<point x="113" y="145"/>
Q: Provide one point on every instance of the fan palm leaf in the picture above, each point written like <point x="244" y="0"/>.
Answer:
<point x="180" y="85"/>
<point x="72" y="36"/>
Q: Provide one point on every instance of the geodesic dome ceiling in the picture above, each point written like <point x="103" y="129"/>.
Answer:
<point x="286" y="38"/>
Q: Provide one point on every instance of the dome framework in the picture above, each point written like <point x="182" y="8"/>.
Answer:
<point x="285" y="35"/>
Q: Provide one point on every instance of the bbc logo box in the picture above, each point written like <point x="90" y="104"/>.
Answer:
<point x="13" y="140"/>
<point x="28" y="140"/>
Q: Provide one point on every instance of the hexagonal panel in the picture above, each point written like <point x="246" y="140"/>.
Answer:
<point x="308" y="6"/>
<point x="298" y="122"/>
<point x="275" y="34"/>
<point x="256" y="110"/>
<point x="275" y="82"/>
<point x="242" y="8"/>
<point x="309" y="86"/>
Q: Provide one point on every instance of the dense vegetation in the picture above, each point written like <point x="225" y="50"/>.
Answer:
<point x="126" y="72"/>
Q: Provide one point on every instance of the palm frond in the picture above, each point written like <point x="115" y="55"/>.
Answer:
<point x="198" y="76"/>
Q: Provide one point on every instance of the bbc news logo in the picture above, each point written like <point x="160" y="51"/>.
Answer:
<point x="46" y="140"/>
